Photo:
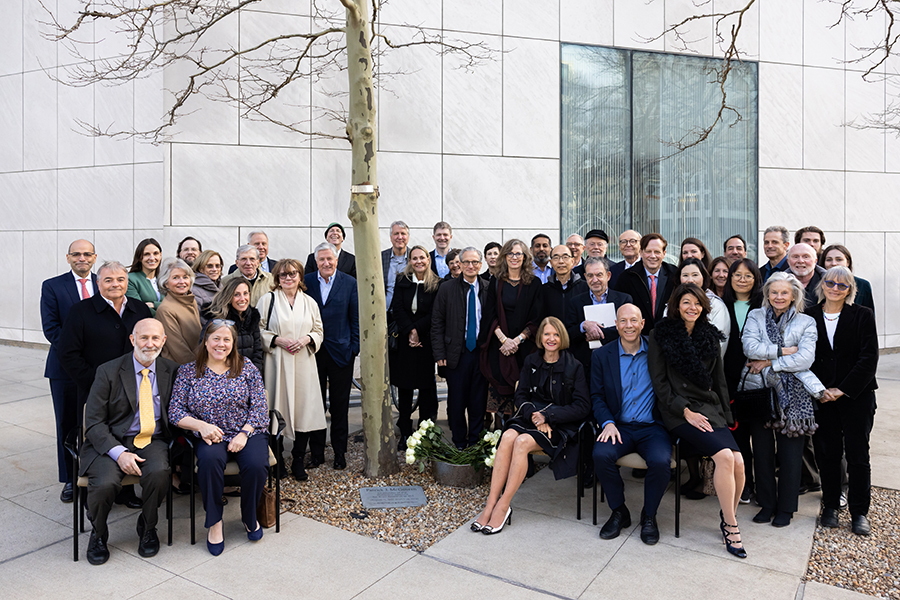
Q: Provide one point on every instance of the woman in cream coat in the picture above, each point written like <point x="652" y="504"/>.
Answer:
<point x="291" y="335"/>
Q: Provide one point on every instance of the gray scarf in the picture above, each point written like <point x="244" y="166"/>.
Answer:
<point x="793" y="405"/>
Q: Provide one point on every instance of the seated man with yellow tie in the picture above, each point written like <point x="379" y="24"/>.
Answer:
<point x="126" y="433"/>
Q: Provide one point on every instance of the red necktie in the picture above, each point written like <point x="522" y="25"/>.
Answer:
<point x="84" y="291"/>
<point x="653" y="295"/>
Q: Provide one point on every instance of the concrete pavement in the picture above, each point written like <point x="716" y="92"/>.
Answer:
<point x="545" y="553"/>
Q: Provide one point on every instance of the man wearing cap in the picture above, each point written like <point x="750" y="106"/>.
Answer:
<point x="596" y="243"/>
<point x="335" y="235"/>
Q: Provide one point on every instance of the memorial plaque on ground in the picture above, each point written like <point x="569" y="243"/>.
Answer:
<point x="392" y="496"/>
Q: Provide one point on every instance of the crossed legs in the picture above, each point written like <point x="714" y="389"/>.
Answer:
<point x="510" y="466"/>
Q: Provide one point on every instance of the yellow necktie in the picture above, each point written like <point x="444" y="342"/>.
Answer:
<point x="145" y="409"/>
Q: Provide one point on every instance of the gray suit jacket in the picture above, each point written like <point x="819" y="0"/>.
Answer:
<point x="113" y="402"/>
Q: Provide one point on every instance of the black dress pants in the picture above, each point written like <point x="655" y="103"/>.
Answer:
<point x="428" y="407"/>
<point x="105" y="482"/>
<point x="65" y="401"/>
<point x="466" y="395"/>
<point x="780" y="497"/>
<point x="335" y="381"/>
<point x="844" y="427"/>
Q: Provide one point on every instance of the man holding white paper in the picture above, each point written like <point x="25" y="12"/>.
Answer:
<point x="591" y="315"/>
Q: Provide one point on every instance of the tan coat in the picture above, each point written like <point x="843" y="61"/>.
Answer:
<point x="292" y="381"/>
<point x="181" y="322"/>
<point x="259" y="288"/>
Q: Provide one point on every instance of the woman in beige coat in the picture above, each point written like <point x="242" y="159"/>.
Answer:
<point x="178" y="312"/>
<point x="291" y="335"/>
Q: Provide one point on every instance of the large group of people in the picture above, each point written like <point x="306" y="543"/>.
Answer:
<point x="750" y="366"/>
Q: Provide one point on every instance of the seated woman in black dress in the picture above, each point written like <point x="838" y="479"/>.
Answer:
<point x="686" y="369"/>
<point x="221" y="397"/>
<point x="846" y="361"/>
<point x="552" y="399"/>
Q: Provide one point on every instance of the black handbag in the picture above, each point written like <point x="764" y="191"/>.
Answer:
<point x="752" y="404"/>
<point x="393" y="334"/>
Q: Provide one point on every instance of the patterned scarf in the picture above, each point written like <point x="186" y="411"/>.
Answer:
<point x="794" y="414"/>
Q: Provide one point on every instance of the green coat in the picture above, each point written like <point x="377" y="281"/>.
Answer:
<point x="140" y="288"/>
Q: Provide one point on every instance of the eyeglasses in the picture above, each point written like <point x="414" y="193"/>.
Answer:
<point x="471" y="263"/>
<point x="560" y="256"/>
<point x="226" y="322"/>
<point x="288" y="274"/>
<point x="842" y="287"/>
<point x="749" y="277"/>
<point x="629" y="242"/>
<point x="516" y="254"/>
<point x="80" y="254"/>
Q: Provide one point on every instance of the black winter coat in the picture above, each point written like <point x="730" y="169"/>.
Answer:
<point x="448" y="319"/>
<point x="850" y="366"/>
<point x="412" y="368"/>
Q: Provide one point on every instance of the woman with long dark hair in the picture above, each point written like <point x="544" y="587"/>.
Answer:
<point x="142" y="275"/>
<point x="685" y="365"/>
<point x="232" y="303"/>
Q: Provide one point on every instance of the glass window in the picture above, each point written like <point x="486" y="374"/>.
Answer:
<point x="623" y="114"/>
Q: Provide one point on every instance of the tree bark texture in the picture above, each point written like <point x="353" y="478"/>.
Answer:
<point x="378" y="427"/>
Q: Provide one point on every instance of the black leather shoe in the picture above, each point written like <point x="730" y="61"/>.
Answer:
<point x="149" y="544"/>
<point x="763" y="516"/>
<point x="97" y="552"/>
<point x="639" y="473"/>
<point x="298" y="471"/>
<point x="315" y="461"/>
<point x="782" y="519"/>
<point x="859" y="524"/>
<point x="340" y="463"/>
<point x="67" y="494"/>
<point x="649" y="529"/>
<point x="829" y="518"/>
<point x="619" y="519"/>
<point x="128" y="498"/>
<point x="810" y="487"/>
<point x="588" y="480"/>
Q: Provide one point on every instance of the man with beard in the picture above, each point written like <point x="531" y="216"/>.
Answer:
<point x="126" y="432"/>
<point x="189" y="249"/>
<point x="540" y="250"/>
<point x="802" y="264"/>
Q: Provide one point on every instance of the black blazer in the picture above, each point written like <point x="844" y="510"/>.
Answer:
<point x="556" y="299"/>
<point x="734" y="359"/>
<point x="386" y="263"/>
<point x="113" y="402"/>
<point x="448" y="318"/>
<point x="606" y="385"/>
<point x="578" y="344"/>
<point x="615" y="271"/>
<point x="271" y="262"/>
<point x="634" y="283"/>
<point x="851" y="365"/>
<point x="346" y="264"/>
<point x="58" y="295"/>
<point x="94" y="334"/>
<point x="340" y="316"/>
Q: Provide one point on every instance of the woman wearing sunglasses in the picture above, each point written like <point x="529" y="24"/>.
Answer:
<point x="291" y="335"/>
<point x="846" y="360"/>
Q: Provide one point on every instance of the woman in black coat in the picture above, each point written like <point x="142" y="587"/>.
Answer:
<point x="685" y="366"/>
<point x="552" y="399"/>
<point x="742" y="293"/>
<point x="232" y="303"/>
<point x="509" y="320"/>
<point x="846" y="361"/>
<point x="412" y="365"/>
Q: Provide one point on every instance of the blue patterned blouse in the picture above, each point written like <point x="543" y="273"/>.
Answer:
<point x="220" y="400"/>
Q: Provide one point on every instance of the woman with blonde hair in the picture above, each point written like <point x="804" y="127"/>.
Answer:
<point x="178" y="311"/>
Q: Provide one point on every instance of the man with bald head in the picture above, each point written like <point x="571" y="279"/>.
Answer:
<point x="801" y="261"/>
<point x="126" y="432"/>
<point x="625" y="408"/>
<point x="575" y="243"/>
<point x="58" y="295"/>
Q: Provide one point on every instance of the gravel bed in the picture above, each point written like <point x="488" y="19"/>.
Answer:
<point x="869" y="565"/>
<point x="332" y="497"/>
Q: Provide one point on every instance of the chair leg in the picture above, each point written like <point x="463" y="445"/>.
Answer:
<point x="193" y="506"/>
<point x="677" y="489"/>
<point x="595" y="499"/>
<point x="579" y="482"/>
<point x="83" y="502"/>
<point x="75" y="504"/>
<point x="169" y="497"/>
<point x="277" y="504"/>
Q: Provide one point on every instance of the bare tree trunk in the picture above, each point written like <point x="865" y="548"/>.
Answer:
<point x="378" y="429"/>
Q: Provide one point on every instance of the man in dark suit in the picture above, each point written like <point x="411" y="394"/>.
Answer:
<point x="346" y="263"/>
<point x="127" y="433"/>
<point x="336" y="295"/>
<point x="393" y="259"/>
<point x="58" y="295"/>
<point x="260" y="241"/>
<point x="455" y="323"/>
<point x="630" y="249"/>
<point x="651" y="280"/>
<point x="581" y="331"/>
<point x="441" y="234"/>
<point x="776" y="242"/>
<point x="625" y="408"/>
<point x="97" y="331"/>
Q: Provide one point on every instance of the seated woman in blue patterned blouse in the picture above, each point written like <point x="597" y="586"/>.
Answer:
<point x="221" y="397"/>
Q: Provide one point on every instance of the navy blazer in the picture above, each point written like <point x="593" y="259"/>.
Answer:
<point x="58" y="295"/>
<point x="615" y="270"/>
<point x="346" y="263"/>
<point x="340" y="316"/>
<point x="606" y="385"/>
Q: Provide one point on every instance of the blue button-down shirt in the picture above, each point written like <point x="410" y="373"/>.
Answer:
<point x="135" y="428"/>
<point x="325" y="286"/>
<point x="595" y="300"/>
<point x="440" y="263"/>
<point x="396" y="265"/>
<point x="637" y="389"/>
<point x="542" y="274"/>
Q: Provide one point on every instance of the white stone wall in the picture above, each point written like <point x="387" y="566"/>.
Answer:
<point x="479" y="150"/>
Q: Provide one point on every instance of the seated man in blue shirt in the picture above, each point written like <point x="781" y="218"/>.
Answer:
<point x="625" y="407"/>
